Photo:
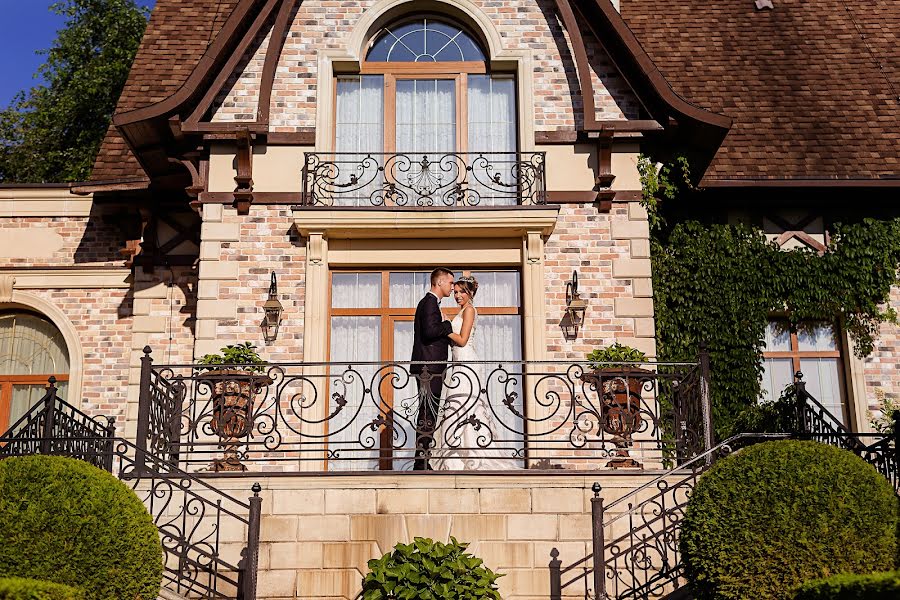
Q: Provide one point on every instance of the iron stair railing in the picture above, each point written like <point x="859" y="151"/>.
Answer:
<point x="194" y="518"/>
<point x="635" y="538"/>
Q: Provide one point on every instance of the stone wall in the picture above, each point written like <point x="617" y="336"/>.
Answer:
<point x="318" y="533"/>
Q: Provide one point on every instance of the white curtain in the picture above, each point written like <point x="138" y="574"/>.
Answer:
<point x="426" y="116"/>
<point x="354" y="340"/>
<point x="359" y="130"/>
<point x="492" y="128"/>
<point x="406" y="399"/>
<point x="426" y="127"/>
<point x="822" y="375"/>
<point x="499" y="341"/>
<point x="25" y="396"/>
<point x="355" y="290"/>
<point x="30" y="345"/>
<point x="406" y="289"/>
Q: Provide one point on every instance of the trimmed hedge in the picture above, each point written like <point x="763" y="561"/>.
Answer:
<point x="874" y="586"/>
<point x="65" y="521"/>
<point x="770" y="517"/>
<point x="18" y="588"/>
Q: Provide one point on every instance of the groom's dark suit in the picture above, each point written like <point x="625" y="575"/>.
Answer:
<point x="430" y="343"/>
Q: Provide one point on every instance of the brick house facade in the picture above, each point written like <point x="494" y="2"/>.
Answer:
<point x="199" y="194"/>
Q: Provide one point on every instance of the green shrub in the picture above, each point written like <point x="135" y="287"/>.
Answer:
<point x="770" y="517"/>
<point x="17" y="588"/>
<point x="65" y="521"/>
<point x="874" y="586"/>
<point x="428" y="570"/>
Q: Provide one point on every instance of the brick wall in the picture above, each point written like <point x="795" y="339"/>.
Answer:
<point x="60" y="241"/>
<point x="882" y="368"/>
<point x="523" y="24"/>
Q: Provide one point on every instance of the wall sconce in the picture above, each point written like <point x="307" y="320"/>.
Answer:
<point x="273" y="310"/>
<point x="575" y="308"/>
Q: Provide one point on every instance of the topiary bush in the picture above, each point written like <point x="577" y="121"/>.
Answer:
<point x="18" y="588"/>
<point x="429" y="570"/>
<point x="65" y="521"/>
<point x="768" y="518"/>
<point x="874" y="586"/>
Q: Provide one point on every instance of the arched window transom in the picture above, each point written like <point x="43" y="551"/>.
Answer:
<point x="31" y="350"/>
<point x="424" y="40"/>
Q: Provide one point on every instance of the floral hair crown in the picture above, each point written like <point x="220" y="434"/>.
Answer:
<point x="466" y="279"/>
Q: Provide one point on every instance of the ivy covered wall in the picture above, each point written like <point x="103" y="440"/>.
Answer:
<point x="720" y="283"/>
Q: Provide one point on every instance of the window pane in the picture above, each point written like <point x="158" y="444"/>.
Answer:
<point x="816" y="337"/>
<point x="822" y="377"/>
<point x="356" y="290"/>
<point x="777" y="374"/>
<point x="31" y="345"/>
<point x="354" y="340"/>
<point x="499" y="341"/>
<point x="406" y="399"/>
<point x="407" y="288"/>
<point x="359" y="131"/>
<point x="426" y="118"/>
<point x="424" y="40"/>
<point x="497" y="288"/>
<point x="492" y="130"/>
<point x="778" y="336"/>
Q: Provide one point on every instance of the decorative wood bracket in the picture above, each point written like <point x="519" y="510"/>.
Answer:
<point x="796" y="230"/>
<point x="243" y="193"/>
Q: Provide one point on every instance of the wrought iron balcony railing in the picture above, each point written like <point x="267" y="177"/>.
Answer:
<point x="370" y="416"/>
<point x="434" y="179"/>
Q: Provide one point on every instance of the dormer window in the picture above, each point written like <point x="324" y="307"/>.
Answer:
<point x="427" y="108"/>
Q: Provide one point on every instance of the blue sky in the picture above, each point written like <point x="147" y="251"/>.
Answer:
<point x="26" y="26"/>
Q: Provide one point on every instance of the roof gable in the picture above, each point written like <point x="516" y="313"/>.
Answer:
<point x="801" y="81"/>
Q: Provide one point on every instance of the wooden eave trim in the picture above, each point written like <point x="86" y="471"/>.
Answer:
<point x="207" y="64"/>
<point x="273" y="53"/>
<point x="582" y="66"/>
<point x="237" y="54"/>
<point x="623" y="36"/>
<point x="113" y="185"/>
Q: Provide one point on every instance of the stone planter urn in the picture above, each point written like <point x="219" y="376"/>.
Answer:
<point x="619" y="390"/>
<point x="233" y="395"/>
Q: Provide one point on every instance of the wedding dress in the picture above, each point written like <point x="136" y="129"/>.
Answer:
<point x="468" y="432"/>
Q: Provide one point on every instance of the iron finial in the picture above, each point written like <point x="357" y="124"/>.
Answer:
<point x="596" y="489"/>
<point x="798" y="376"/>
<point x="256" y="489"/>
<point x="51" y="380"/>
<point x="147" y="350"/>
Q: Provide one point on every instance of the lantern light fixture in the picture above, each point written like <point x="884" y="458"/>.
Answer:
<point x="575" y="309"/>
<point x="273" y="309"/>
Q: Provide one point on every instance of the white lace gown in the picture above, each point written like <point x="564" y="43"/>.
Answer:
<point x="468" y="432"/>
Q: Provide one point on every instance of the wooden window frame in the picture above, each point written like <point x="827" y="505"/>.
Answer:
<point x="392" y="71"/>
<point x="389" y="316"/>
<point x="796" y="355"/>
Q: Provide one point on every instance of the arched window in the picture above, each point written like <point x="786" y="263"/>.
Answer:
<point x="31" y="350"/>
<point x="424" y="40"/>
<point x="425" y="89"/>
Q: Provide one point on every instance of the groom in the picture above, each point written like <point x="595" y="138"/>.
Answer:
<point x="430" y="344"/>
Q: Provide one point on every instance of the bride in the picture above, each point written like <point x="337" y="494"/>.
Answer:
<point x="467" y="427"/>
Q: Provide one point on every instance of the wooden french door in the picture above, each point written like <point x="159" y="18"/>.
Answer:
<point x="371" y="321"/>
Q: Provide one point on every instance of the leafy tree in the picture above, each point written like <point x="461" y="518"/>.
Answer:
<point x="52" y="132"/>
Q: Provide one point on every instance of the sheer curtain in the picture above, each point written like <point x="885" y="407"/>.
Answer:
<point x="31" y="345"/>
<point x="822" y="375"/>
<point x="354" y="340"/>
<point x="492" y="128"/>
<point x="778" y="373"/>
<point x="426" y="126"/>
<point x="359" y="130"/>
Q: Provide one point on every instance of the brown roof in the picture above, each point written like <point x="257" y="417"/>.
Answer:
<point x="177" y="36"/>
<point x="803" y="88"/>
